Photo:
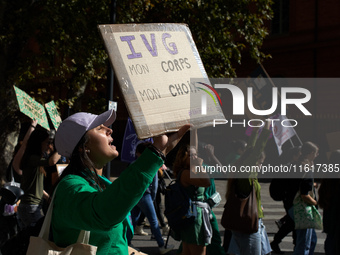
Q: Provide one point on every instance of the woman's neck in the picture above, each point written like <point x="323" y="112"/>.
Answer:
<point x="99" y="171"/>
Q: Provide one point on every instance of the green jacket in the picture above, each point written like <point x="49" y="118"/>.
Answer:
<point x="78" y="206"/>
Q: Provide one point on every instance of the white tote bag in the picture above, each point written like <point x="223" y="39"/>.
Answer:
<point x="42" y="246"/>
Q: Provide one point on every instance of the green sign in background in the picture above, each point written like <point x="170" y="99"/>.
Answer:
<point x="53" y="113"/>
<point x="31" y="108"/>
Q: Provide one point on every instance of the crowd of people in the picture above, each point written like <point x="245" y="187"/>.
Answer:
<point x="115" y="211"/>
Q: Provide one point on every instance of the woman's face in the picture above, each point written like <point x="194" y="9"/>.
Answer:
<point x="99" y="147"/>
<point x="192" y="153"/>
<point x="296" y="156"/>
<point x="47" y="146"/>
<point x="314" y="154"/>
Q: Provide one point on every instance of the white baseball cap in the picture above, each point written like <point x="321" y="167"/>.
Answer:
<point x="72" y="129"/>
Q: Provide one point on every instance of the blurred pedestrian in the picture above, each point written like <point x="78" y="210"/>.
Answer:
<point x="256" y="243"/>
<point x="213" y="198"/>
<point x="158" y="201"/>
<point x="146" y="205"/>
<point x="52" y="174"/>
<point x="13" y="171"/>
<point x="305" y="238"/>
<point x="286" y="223"/>
<point x="196" y="236"/>
<point x="238" y="148"/>
<point x="33" y="174"/>
<point x="329" y="193"/>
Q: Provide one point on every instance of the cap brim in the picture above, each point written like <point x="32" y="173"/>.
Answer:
<point x="106" y="118"/>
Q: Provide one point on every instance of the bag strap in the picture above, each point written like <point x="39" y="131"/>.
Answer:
<point x="12" y="181"/>
<point x="235" y="190"/>
<point x="12" y="175"/>
<point x="84" y="236"/>
<point x="167" y="175"/>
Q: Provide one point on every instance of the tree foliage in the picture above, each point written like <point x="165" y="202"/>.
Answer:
<point x="52" y="45"/>
<point x="56" y="43"/>
<point x="52" y="49"/>
<point x="222" y="30"/>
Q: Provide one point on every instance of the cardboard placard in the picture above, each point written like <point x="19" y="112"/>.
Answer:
<point x="53" y="113"/>
<point x="154" y="64"/>
<point x="31" y="108"/>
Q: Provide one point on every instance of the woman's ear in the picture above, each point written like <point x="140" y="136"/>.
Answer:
<point x="80" y="149"/>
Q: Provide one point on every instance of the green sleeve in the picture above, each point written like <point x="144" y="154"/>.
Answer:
<point x="80" y="206"/>
<point x="252" y="139"/>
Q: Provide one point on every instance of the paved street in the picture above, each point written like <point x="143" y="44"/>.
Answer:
<point x="273" y="210"/>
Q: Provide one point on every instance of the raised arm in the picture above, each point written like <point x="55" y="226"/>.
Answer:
<point x="18" y="156"/>
<point x="211" y="155"/>
<point x="194" y="138"/>
<point x="165" y="143"/>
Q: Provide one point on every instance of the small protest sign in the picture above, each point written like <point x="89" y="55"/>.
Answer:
<point x="113" y="105"/>
<point x="154" y="64"/>
<point x="53" y="113"/>
<point x="31" y="108"/>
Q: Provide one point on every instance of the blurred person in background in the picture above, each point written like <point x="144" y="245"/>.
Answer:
<point x="329" y="193"/>
<point x="33" y="166"/>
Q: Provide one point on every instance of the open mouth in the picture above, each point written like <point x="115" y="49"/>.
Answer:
<point x="111" y="145"/>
